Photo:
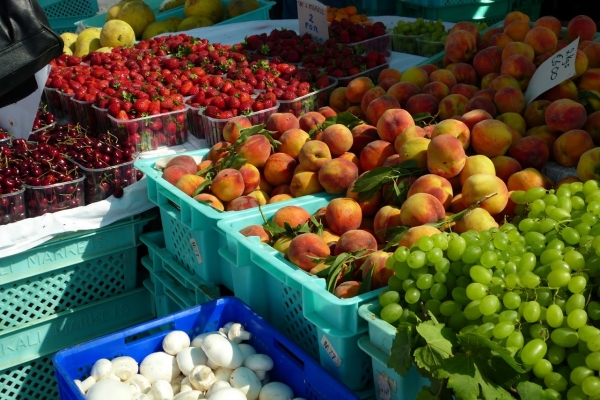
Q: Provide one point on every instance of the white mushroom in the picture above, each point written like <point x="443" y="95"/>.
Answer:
<point x="246" y="350"/>
<point x="140" y="396"/>
<point x="124" y="367"/>
<point x="211" y="364"/>
<point x="222" y="351"/>
<point x="238" y="334"/>
<point x="266" y="379"/>
<point x="159" y="365"/>
<point x="246" y="380"/>
<point x="189" y="357"/>
<point x="202" y="377"/>
<point x="139" y="382"/>
<point x="225" y="328"/>
<point x="175" y="341"/>
<point x="185" y="385"/>
<point x="218" y="385"/>
<point x="276" y="391"/>
<point x="198" y="339"/>
<point x="228" y="394"/>
<point x="259" y="363"/>
<point x="101" y="369"/>
<point x="161" y="390"/>
<point x="176" y="383"/>
<point x="223" y="374"/>
<point x="108" y="389"/>
<point x="86" y="384"/>
<point x="190" y="395"/>
<point x="113" y="377"/>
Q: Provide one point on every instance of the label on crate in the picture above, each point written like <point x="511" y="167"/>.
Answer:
<point x="331" y="351"/>
<point x="196" y="250"/>
<point x="384" y="390"/>
<point x="553" y="71"/>
<point x="312" y="19"/>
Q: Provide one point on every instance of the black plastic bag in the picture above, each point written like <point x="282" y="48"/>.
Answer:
<point x="27" y="44"/>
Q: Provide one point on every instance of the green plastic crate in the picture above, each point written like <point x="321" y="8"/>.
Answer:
<point x="261" y="13"/>
<point x="30" y="380"/>
<point x="63" y="14"/>
<point x="489" y="12"/>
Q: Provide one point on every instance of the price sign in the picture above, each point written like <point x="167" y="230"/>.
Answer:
<point x="312" y="19"/>
<point x="556" y="69"/>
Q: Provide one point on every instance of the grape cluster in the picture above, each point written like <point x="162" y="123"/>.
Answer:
<point x="406" y="34"/>
<point x="531" y="285"/>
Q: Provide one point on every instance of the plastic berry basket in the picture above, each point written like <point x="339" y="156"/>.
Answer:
<point x="214" y="126"/>
<point x="380" y="44"/>
<point x="102" y="121"/>
<point x="405" y="43"/>
<point x="53" y="102"/>
<point x="12" y="207"/>
<point x="153" y="132"/>
<point x="68" y="106"/>
<point x="100" y="184"/>
<point x="372" y="73"/>
<point x="42" y="129"/>
<point x="429" y="48"/>
<point x="57" y="197"/>
<point x="5" y="141"/>
<point x="195" y="122"/>
<point x="85" y="115"/>
<point x="310" y="102"/>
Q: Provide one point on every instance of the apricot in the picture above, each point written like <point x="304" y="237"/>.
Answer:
<point x="477" y="219"/>
<point x="369" y="96"/>
<point x="293" y="215"/>
<point x="437" y="89"/>
<point x="356" y="240"/>
<point x="477" y="164"/>
<point x="460" y="46"/>
<point x="347" y="290"/>
<point x="470" y="118"/>
<point x="535" y="113"/>
<point x="581" y="26"/>
<point x="452" y="105"/>
<point x="505" y="166"/>
<point x="414" y="149"/>
<point x="488" y="60"/>
<point x="416" y="75"/>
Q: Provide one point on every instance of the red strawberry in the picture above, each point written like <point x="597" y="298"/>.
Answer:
<point x="154" y="107"/>
<point x="141" y="106"/>
<point x="170" y="128"/>
<point x="156" y="124"/>
<point x="322" y="81"/>
<point x="167" y="104"/>
<point x="122" y="115"/>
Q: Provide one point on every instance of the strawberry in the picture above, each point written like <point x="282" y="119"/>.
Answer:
<point x="167" y="104"/>
<point x="170" y="128"/>
<point x="141" y="106"/>
<point x="154" y="107"/>
<point x="212" y="112"/>
<point x="233" y="102"/>
<point x="258" y="106"/>
<point x="322" y="82"/>
<point x="288" y="96"/>
<point x="156" y="124"/>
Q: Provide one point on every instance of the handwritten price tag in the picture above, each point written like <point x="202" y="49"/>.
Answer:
<point x="312" y="19"/>
<point x="556" y="69"/>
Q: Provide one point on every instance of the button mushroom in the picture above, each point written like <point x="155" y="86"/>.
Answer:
<point x="161" y="390"/>
<point x="259" y="363"/>
<point x="140" y="396"/>
<point x="202" y="377"/>
<point x="159" y="365"/>
<point x="246" y="380"/>
<point x="198" y="339"/>
<point x="246" y="350"/>
<point x="124" y="367"/>
<point x="222" y="374"/>
<point x="101" y="369"/>
<point x="86" y="384"/>
<point x="276" y="391"/>
<point x="222" y="351"/>
<point x="185" y="385"/>
<point x="189" y="357"/>
<point x="176" y="384"/>
<point x="228" y="394"/>
<point x="218" y="385"/>
<point x="139" y="382"/>
<point x="190" y="395"/>
<point x="238" y="334"/>
<point x="175" y="341"/>
<point x="109" y="389"/>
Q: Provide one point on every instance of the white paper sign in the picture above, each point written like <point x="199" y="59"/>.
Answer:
<point x="331" y="351"/>
<point x="312" y="19"/>
<point x="555" y="70"/>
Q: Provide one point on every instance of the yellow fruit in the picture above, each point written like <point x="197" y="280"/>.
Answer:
<point x="156" y="28"/>
<point x="169" y="4"/>
<point x="69" y="39"/>
<point x="117" y="33"/>
<point x="104" y="50"/>
<point x="138" y="15"/>
<point x="87" y="41"/>
<point x="174" y="23"/>
<point x="193" y="22"/>
<point x="211" y="9"/>
<point x="239" y="7"/>
<point x="114" y="10"/>
<point x="67" y="50"/>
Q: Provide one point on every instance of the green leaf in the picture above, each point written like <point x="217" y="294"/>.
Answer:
<point x="273" y="229"/>
<point x="401" y="353"/>
<point x="475" y="342"/>
<point x="205" y="170"/>
<point x="372" y="181"/>
<point x="530" y="390"/>
<point x="334" y="271"/>
<point x="209" y="203"/>
<point x="344" y="118"/>
<point x="438" y="346"/>
<point x="201" y="187"/>
<point x="365" y="285"/>
<point x="425" y="394"/>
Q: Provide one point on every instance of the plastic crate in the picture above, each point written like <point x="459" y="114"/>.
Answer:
<point x="5" y="141"/>
<point x="102" y="120"/>
<point x="372" y="73"/>
<point x="12" y="207"/>
<point x="298" y="303"/>
<point x="62" y="14"/>
<point x="380" y="44"/>
<point x="489" y="12"/>
<point x="373" y="8"/>
<point x="292" y="366"/>
<point x="389" y="385"/>
<point x="262" y="13"/>
<point x="532" y="8"/>
<point x="95" y="180"/>
<point x="57" y="197"/>
<point x="30" y="380"/>
<point x="427" y="47"/>
<point x="195" y="122"/>
<point x="310" y="102"/>
<point x="405" y="43"/>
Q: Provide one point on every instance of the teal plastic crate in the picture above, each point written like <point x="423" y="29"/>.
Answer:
<point x="261" y="13"/>
<point x="298" y="303"/>
<point x="63" y="14"/>
<point x="389" y="385"/>
<point x="373" y="8"/>
<point x="30" y="380"/>
<point x="489" y="12"/>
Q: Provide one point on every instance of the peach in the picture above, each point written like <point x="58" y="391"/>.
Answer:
<point x="564" y="181"/>
<point x="369" y="96"/>
<point x="210" y="200"/>
<point x="279" y="169"/>
<point x="455" y="128"/>
<point x="392" y="160"/>
<point x="515" y="16"/>
<point x="185" y="161"/>
<point x="525" y="179"/>
<point x="309" y="121"/>
<point x="477" y="219"/>
<point x="429" y="68"/>
<point x="338" y="99"/>
<point x="517" y="30"/>
<point x="422" y="103"/>
<point x="292" y="215"/>
<point x="542" y="132"/>
<point x="264" y="185"/>
<point x="352" y="157"/>
<point x="356" y="240"/>
<point x="337" y="175"/>
<point x="327" y="111"/>
<point x="292" y="140"/>
<point x="282" y="189"/>
<point x="409" y="133"/>
<point x="444" y="76"/>
<point x="188" y="183"/>
<point x="347" y="290"/>
<point x="256" y="150"/>
<point x="342" y="215"/>
<point x="480" y="103"/>
<point x="564" y="115"/>
<point x="461" y="46"/>
<point x="251" y="177"/>
<point x="203" y="165"/>
<point x="530" y="151"/>
<point x="476" y="164"/>
<point x="564" y="90"/>
<point x="437" y="89"/>
<point x="535" y="113"/>
<point x="514" y="120"/>
<point x="392" y="122"/>
<point x="592" y="126"/>
<point x="487" y="93"/>
<point x="314" y="154"/>
<point x="491" y="138"/>
<point x="518" y="48"/>
<point x="485" y="36"/>
<point x="280" y="197"/>
<point x="362" y="135"/>
<point x="581" y="26"/>
<point x="389" y="73"/>
<point x="509" y="99"/>
<point x="590" y="80"/>
<point x="542" y="40"/>
<point x="581" y="63"/>
<point x="415" y="149"/>
<point x="503" y="81"/>
<point x="435" y="185"/>
<point x="386" y="218"/>
<point x="218" y="151"/>
<point x="485" y="81"/>
<point x="470" y="118"/>
<point x="477" y="186"/>
<point x="466" y="90"/>
<point x="357" y="87"/>
<point x="228" y="184"/>
<point x="420" y="209"/>
<point x="173" y="173"/>
<point x="356" y="111"/>
<point x="488" y="61"/>
<point x="588" y="167"/>
<point x="241" y="203"/>
<point x="374" y="154"/>
<point x="569" y="147"/>
<point x="305" y="183"/>
<point x="338" y="138"/>
<point x="592" y="53"/>
<point x="445" y="156"/>
<point x="412" y="235"/>
<point x="282" y="245"/>
<point x="500" y="39"/>
<point x="378" y="106"/>
<point x="551" y="23"/>
<point x="402" y="91"/>
<point x="452" y="105"/>
<point x="256" y="230"/>
<point x="370" y="205"/>
<point x="381" y="274"/>
<point x="305" y="248"/>
<point x="463" y="72"/>
<point x="416" y="75"/>
<point x="232" y="128"/>
<point x="260" y="196"/>
<point x="520" y="68"/>
<point x="457" y="205"/>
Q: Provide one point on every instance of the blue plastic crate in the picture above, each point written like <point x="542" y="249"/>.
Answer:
<point x="292" y="366"/>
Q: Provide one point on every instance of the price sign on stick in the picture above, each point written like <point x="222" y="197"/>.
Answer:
<point x="556" y="69"/>
<point x="312" y="19"/>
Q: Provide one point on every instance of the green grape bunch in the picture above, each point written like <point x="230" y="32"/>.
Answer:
<point x="405" y="34"/>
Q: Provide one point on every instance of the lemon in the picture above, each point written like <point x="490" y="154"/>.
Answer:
<point x="117" y="33"/>
<point x="138" y="15"/>
<point x="87" y="41"/>
<point x="239" y="7"/>
<point x="169" y="4"/>
<point x="211" y="9"/>
<point x="69" y="39"/>
<point x="174" y="22"/>
<point x="67" y="50"/>
<point x="193" y="22"/>
<point x="156" y="28"/>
